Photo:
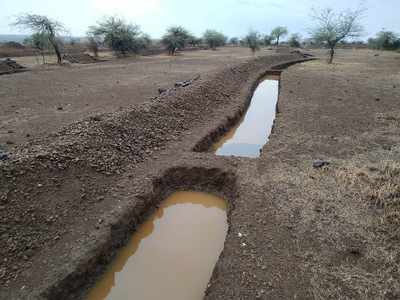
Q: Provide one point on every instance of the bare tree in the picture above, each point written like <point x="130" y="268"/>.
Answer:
<point x="278" y="32"/>
<point x="332" y="27"/>
<point x="43" y="25"/>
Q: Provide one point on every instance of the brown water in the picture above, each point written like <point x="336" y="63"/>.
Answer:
<point x="172" y="254"/>
<point x="251" y="134"/>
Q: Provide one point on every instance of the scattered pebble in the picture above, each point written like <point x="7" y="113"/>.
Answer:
<point x="320" y="163"/>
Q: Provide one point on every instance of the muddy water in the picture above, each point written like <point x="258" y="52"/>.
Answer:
<point x="251" y="134"/>
<point x="172" y="254"/>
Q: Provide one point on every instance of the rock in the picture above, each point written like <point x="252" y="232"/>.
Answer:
<point x="161" y="90"/>
<point x="3" y="155"/>
<point x="59" y="108"/>
<point x="320" y="163"/>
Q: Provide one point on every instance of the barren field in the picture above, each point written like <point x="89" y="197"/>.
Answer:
<point x="41" y="101"/>
<point x="69" y="200"/>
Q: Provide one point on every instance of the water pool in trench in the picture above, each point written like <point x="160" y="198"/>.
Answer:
<point x="171" y="255"/>
<point x="252" y="132"/>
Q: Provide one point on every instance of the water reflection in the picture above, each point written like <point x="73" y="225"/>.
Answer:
<point x="172" y="254"/>
<point x="252" y="132"/>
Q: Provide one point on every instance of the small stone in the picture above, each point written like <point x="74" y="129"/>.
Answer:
<point x="377" y="99"/>
<point x="3" y="155"/>
<point x="320" y="163"/>
<point x="161" y="90"/>
<point x="60" y="108"/>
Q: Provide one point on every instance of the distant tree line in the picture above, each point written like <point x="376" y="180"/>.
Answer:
<point x="123" y="38"/>
<point x="385" y="40"/>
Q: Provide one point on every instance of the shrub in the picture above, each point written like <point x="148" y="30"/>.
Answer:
<point x="295" y="41"/>
<point x="385" y="40"/>
<point x="121" y="37"/>
<point x="214" y="38"/>
<point x="253" y="41"/>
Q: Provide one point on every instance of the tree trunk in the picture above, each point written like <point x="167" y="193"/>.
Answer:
<point x="331" y="54"/>
<point x="54" y="43"/>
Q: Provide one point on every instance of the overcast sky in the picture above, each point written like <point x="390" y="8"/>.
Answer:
<point x="233" y="17"/>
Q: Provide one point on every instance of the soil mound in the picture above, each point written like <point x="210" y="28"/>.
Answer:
<point x="8" y="66"/>
<point x="80" y="58"/>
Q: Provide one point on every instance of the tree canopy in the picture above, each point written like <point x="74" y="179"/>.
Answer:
<point x="44" y="26"/>
<point x="332" y="28"/>
<point x="120" y="36"/>
<point x="295" y="40"/>
<point x="253" y="40"/>
<point x="214" y="38"/>
<point x="175" y="38"/>
<point x="278" y="32"/>
<point x="385" y="40"/>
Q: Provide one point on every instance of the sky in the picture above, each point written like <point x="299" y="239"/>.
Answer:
<point x="232" y="17"/>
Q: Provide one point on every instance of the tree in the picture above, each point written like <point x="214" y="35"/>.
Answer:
<point x="332" y="28"/>
<point x="193" y="40"/>
<point x="93" y="44"/>
<point x="234" y="41"/>
<point x="295" y="40"/>
<point x="40" y="42"/>
<point x="385" y="40"/>
<point x="45" y="26"/>
<point x="278" y="32"/>
<point x="214" y="38"/>
<point x="175" y="38"/>
<point x="120" y="36"/>
<point x="267" y="40"/>
<point x="253" y="41"/>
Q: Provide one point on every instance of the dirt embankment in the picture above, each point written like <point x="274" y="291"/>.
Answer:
<point x="54" y="191"/>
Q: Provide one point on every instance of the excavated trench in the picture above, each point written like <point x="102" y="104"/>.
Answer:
<point x="175" y="249"/>
<point x="178" y="242"/>
<point x="155" y="209"/>
<point x="183" y="238"/>
<point x="248" y="137"/>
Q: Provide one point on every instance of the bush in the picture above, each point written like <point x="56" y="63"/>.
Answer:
<point x="253" y="40"/>
<point x="234" y="41"/>
<point x="121" y="37"/>
<point x="175" y="38"/>
<point x="214" y="39"/>
<point x="295" y="41"/>
<point x="194" y="41"/>
<point x="267" y="40"/>
<point x="385" y="40"/>
<point x="39" y="41"/>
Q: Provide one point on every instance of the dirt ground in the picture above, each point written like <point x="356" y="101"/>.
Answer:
<point x="69" y="200"/>
<point x="43" y="100"/>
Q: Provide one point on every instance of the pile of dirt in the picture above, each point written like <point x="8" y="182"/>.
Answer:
<point x="8" y="66"/>
<point x="80" y="58"/>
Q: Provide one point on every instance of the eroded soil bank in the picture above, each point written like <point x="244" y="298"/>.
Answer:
<point x="71" y="199"/>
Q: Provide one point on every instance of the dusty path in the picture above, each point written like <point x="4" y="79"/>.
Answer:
<point x="41" y="101"/>
<point x="295" y="232"/>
